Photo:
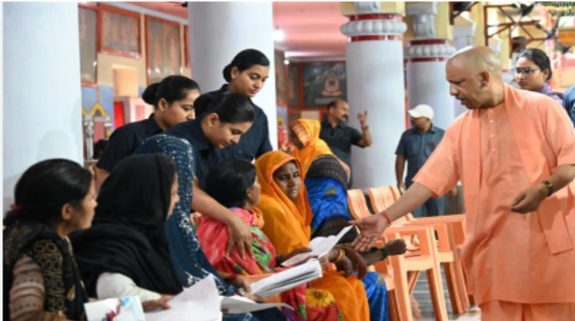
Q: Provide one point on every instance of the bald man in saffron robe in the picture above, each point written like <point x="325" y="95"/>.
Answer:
<point x="515" y="155"/>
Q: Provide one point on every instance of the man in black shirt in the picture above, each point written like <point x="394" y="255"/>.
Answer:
<point x="338" y="136"/>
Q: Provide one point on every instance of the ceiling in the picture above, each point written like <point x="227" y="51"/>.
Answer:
<point x="311" y="28"/>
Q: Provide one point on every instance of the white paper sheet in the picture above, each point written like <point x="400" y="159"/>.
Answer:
<point x="319" y="246"/>
<point x="200" y="302"/>
<point x="287" y="279"/>
<point x="131" y="309"/>
<point x="240" y="304"/>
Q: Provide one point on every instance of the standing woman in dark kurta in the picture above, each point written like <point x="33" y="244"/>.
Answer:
<point x="246" y="75"/>
<point x="226" y="119"/>
<point x="173" y="99"/>
<point x="41" y="281"/>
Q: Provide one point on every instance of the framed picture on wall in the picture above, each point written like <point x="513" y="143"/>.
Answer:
<point x="293" y="93"/>
<point x="88" y="17"/>
<point x="323" y="82"/>
<point x="164" y="49"/>
<point x="120" y="32"/>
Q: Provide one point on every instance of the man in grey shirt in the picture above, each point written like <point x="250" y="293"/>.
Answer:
<point x="415" y="147"/>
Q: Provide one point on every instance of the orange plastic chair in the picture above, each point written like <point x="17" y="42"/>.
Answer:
<point x="424" y="260"/>
<point x="357" y="205"/>
<point x="449" y="231"/>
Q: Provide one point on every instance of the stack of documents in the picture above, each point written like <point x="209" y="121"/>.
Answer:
<point x="319" y="246"/>
<point x="287" y="279"/>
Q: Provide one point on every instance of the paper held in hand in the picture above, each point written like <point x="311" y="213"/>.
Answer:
<point x="126" y="308"/>
<point x="287" y="279"/>
<point x="240" y="304"/>
<point x="201" y="302"/>
<point x="319" y="246"/>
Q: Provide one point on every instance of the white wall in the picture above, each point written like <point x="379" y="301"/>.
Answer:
<point x="218" y="31"/>
<point x="42" y="98"/>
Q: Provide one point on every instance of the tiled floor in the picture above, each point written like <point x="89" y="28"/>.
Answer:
<point x="423" y="298"/>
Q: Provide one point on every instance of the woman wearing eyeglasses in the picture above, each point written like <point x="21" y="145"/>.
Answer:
<point x="533" y="71"/>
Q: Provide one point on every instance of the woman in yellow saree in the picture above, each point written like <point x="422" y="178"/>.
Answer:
<point x="287" y="214"/>
<point x="304" y="134"/>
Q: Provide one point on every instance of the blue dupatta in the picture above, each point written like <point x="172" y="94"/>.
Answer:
<point x="328" y="200"/>
<point x="186" y="253"/>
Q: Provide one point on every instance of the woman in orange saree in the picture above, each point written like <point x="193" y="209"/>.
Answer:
<point x="287" y="214"/>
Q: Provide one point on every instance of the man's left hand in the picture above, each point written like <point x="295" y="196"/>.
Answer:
<point x="362" y="117"/>
<point x="529" y="199"/>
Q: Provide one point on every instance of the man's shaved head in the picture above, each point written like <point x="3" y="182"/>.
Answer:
<point x="478" y="59"/>
<point x="475" y="78"/>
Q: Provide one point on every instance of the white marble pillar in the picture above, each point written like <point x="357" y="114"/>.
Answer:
<point x="463" y="32"/>
<point x="463" y="36"/>
<point x="42" y="111"/>
<point x="375" y="82"/>
<point x="427" y="55"/>
<point x="218" y="31"/>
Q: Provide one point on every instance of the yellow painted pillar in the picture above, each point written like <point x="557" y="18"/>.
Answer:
<point x="476" y="15"/>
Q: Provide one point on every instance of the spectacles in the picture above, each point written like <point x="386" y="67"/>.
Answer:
<point x="525" y="71"/>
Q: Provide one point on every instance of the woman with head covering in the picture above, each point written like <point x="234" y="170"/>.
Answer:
<point x="304" y="134"/>
<point x="234" y="185"/>
<point x="125" y="252"/>
<point x="41" y="281"/>
<point x="533" y="71"/>
<point x="186" y="252"/>
<point x="287" y="217"/>
<point x="325" y="183"/>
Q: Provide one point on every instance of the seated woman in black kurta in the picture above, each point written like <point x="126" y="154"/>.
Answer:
<point x="126" y="252"/>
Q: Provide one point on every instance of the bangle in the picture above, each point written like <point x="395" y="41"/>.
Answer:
<point x="340" y="255"/>
<point x="386" y="216"/>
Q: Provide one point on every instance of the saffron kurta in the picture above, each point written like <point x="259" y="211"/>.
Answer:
<point x="497" y="153"/>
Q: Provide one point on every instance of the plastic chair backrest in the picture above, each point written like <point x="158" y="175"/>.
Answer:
<point x="357" y="204"/>
<point x="376" y="198"/>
